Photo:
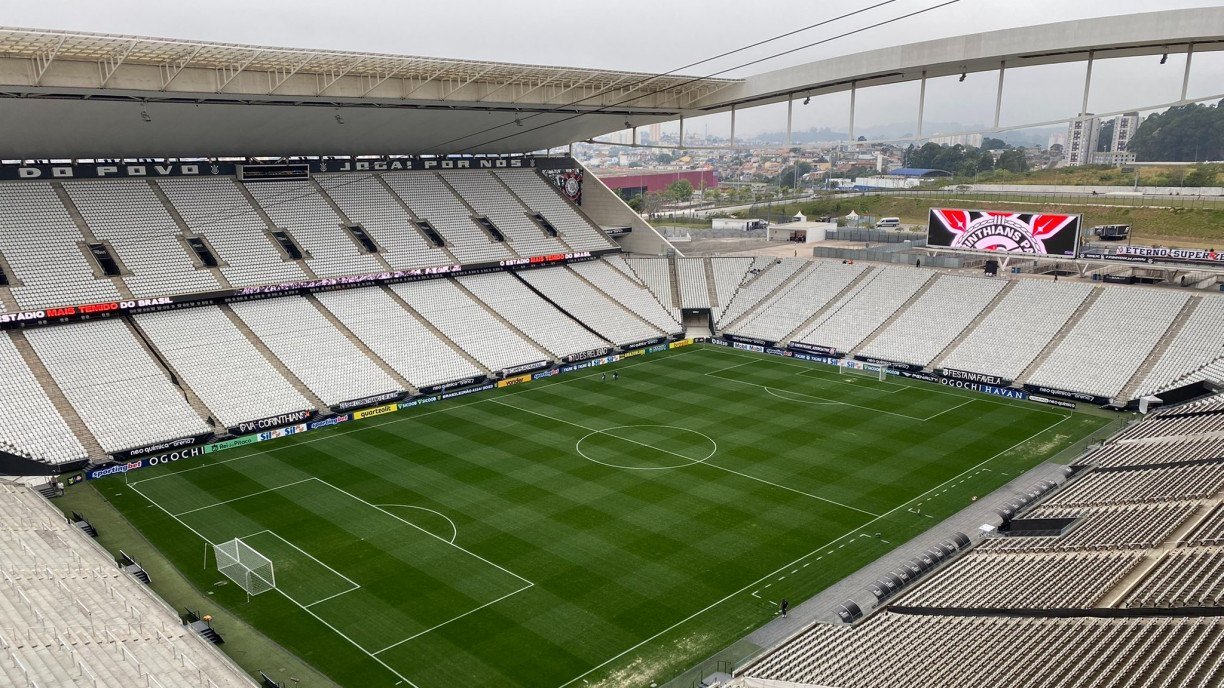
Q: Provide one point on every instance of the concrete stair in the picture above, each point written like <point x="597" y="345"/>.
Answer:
<point x="528" y="211"/>
<point x="8" y="303"/>
<point x="896" y="314"/>
<point x="1170" y="335"/>
<point x="1062" y="334"/>
<point x="437" y="333"/>
<point x="673" y="277"/>
<point x="56" y="395"/>
<point x="1124" y="587"/>
<point x="614" y="301"/>
<point x="506" y="323"/>
<point x="87" y="233"/>
<point x="396" y="197"/>
<point x="185" y="232"/>
<point x="272" y="359"/>
<point x="192" y="399"/>
<point x="556" y="305"/>
<point x="709" y="273"/>
<point x="785" y="286"/>
<point x="862" y="276"/>
<point x="459" y="197"/>
<point x="938" y="360"/>
<point x="361" y="346"/>
<point x="267" y="219"/>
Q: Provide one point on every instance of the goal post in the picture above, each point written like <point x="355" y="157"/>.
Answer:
<point x="880" y="373"/>
<point x="244" y="565"/>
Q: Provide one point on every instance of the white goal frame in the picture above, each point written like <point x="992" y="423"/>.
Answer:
<point x="881" y="374"/>
<point x="244" y="565"/>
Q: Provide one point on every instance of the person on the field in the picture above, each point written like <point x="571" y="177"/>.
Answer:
<point x="603" y="377"/>
<point x="615" y="376"/>
<point x="785" y="605"/>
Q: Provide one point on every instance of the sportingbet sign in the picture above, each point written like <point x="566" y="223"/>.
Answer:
<point x="1040" y="234"/>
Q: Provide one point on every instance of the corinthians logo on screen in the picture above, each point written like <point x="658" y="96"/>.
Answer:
<point x="981" y="230"/>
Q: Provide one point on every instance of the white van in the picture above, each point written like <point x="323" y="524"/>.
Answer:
<point x="888" y="223"/>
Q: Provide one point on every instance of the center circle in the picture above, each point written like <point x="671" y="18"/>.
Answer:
<point x="646" y="447"/>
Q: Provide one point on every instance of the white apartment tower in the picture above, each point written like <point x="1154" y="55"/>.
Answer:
<point x="1124" y="128"/>
<point x="1082" y="139"/>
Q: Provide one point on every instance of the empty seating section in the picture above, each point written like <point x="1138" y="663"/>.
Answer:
<point x="432" y="201"/>
<point x="635" y="298"/>
<point x="70" y="617"/>
<point x="128" y="215"/>
<point x="1140" y="453"/>
<point x="622" y="266"/>
<point x="784" y="312"/>
<point x="298" y="207"/>
<point x="118" y="389"/>
<point x="219" y="364"/>
<point x="395" y="336"/>
<point x="935" y="320"/>
<point x="901" y="649"/>
<point x="313" y="350"/>
<point x="1024" y="580"/>
<point x="693" y="287"/>
<point x="1018" y="329"/>
<point x="655" y="273"/>
<point x="45" y="251"/>
<point x="466" y="323"/>
<point x="32" y="426"/>
<point x="1210" y="531"/>
<point x="1176" y="426"/>
<point x="1185" y="577"/>
<point x="1143" y="485"/>
<point x="1113" y="526"/>
<point x="771" y="275"/>
<point x="532" y="315"/>
<point x="1111" y="341"/>
<point x="541" y="196"/>
<point x="588" y="304"/>
<point x="872" y="302"/>
<point x="1197" y="344"/>
<point x="729" y="274"/>
<point x="216" y="208"/>
<point x="366" y="201"/>
<point x="487" y="197"/>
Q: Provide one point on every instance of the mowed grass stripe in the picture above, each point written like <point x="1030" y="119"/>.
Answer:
<point x="615" y="555"/>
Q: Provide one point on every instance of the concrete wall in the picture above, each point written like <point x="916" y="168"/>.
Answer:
<point x="605" y="207"/>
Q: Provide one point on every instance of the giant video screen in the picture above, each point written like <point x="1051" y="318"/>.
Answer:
<point x="1042" y="234"/>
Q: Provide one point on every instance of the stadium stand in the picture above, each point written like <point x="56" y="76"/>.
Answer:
<point x="215" y="359"/>
<point x="411" y="348"/>
<point x="869" y="305"/>
<point x="1185" y="577"/>
<point x="299" y="208"/>
<point x="578" y="298"/>
<point x="216" y="208"/>
<point x="1139" y="485"/>
<point x="1099" y="527"/>
<point x="33" y="428"/>
<point x="70" y="617"/>
<point x="433" y="201"/>
<point x="729" y="274"/>
<point x="469" y="324"/>
<point x="797" y="301"/>
<point x="1111" y="341"/>
<point x="655" y="273"/>
<point x="693" y="286"/>
<point x="532" y="315"/>
<point x="930" y="325"/>
<point x="1197" y="344"/>
<point x="489" y="198"/>
<point x="43" y="248"/>
<point x="1141" y="453"/>
<point x="1015" y="332"/>
<point x="365" y="200"/>
<point x="115" y="400"/>
<point x="763" y="278"/>
<point x="622" y="265"/>
<point x="542" y="197"/>
<point x="635" y="298"/>
<point x="314" y="350"/>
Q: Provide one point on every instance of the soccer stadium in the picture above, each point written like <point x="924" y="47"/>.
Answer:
<point x="331" y="368"/>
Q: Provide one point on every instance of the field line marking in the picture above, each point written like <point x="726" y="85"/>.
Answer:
<point x="317" y="561"/>
<point x="737" y="365"/>
<point x="780" y="569"/>
<point x="772" y="393"/>
<point x="688" y="458"/>
<point x="331" y="597"/>
<point x="454" y="528"/>
<point x="824" y="374"/>
<point x="304" y="608"/>
<point x="414" y="416"/>
<point x="415" y="526"/>
<point x="967" y="402"/>
<point x="813" y="396"/>
<point x="435" y="627"/>
<point x="235" y="499"/>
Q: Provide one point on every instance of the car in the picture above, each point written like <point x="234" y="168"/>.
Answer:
<point x="888" y="223"/>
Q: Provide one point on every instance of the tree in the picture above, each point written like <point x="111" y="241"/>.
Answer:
<point x="991" y="143"/>
<point x="1105" y="136"/>
<point x="1012" y="160"/>
<point x="1182" y="133"/>
<point x="679" y="190"/>
<point x="664" y="158"/>
<point x="793" y="174"/>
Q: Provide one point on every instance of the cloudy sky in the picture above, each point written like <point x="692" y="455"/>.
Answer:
<point x="658" y="36"/>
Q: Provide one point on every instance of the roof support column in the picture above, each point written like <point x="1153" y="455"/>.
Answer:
<point x="853" y="90"/>
<point x="1087" y="81"/>
<point x="790" y="118"/>
<point x="921" y="101"/>
<point x="999" y="93"/>
<point x="1186" y="76"/>
<point x="681" y="143"/>
<point x="732" y="127"/>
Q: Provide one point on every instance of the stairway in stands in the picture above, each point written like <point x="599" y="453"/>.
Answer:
<point x="803" y="327"/>
<point x="436" y="332"/>
<point x="361" y="346"/>
<point x="176" y="379"/>
<point x="545" y="353"/>
<point x="1158" y="351"/>
<point x="86" y="233"/>
<point x="784" y="286"/>
<point x="56" y="395"/>
<point x="607" y="296"/>
<point x="938" y="360"/>
<point x="711" y="287"/>
<point x="896" y="314"/>
<point x="1049" y="349"/>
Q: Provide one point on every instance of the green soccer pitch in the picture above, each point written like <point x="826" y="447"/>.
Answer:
<point x="578" y="532"/>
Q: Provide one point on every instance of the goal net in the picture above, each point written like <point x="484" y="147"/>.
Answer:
<point x="879" y="373"/>
<point x="242" y="564"/>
